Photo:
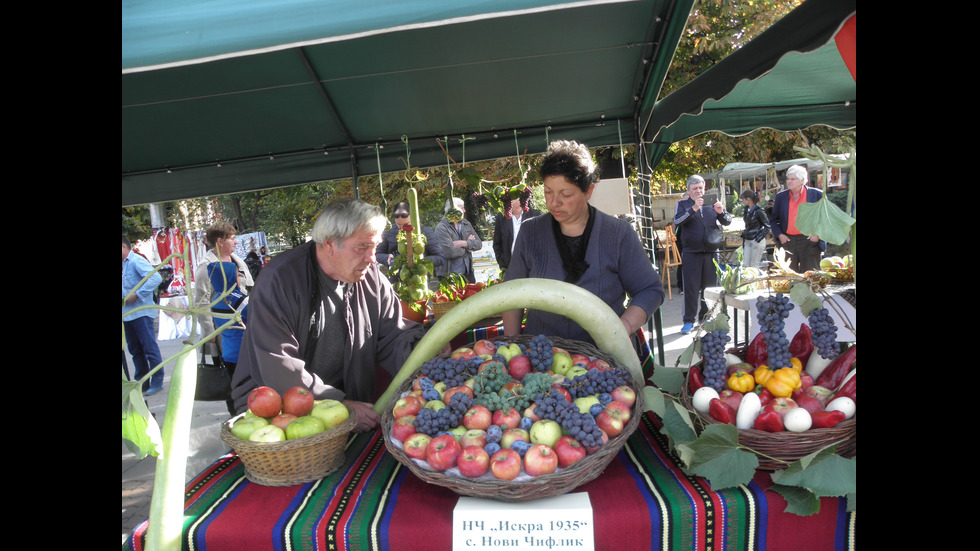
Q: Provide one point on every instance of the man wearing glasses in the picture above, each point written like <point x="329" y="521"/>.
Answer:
<point x="388" y="248"/>
<point x="804" y="250"/>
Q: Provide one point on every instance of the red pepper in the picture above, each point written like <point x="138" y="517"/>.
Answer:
<point x="695" y="379"/>
<point x="826" y="419"/>
<point x="802" y="344"/>
<point x="849" y="389"/>
<point x="834" y="374"/>
<point x="764" y="394"/>
<point x="769" y="421"/>
<point x="721" y="411"/>
<point x="756" y="354"/>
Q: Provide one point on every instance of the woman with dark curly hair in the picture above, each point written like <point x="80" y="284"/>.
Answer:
<point x="576" y="243"/>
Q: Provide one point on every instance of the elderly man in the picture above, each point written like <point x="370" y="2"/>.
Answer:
<point x="138" y="322"/>
<point x="458" y="240"/>
<point x="323" y="316"/>
<point x="804" y="250"/>
<point x="698" y="258"/>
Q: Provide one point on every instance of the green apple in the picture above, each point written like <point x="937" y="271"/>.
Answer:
<point x="440" y="388"/>
<point x="245" y="426"/>
<point x="509" y="351"/>
<point x="435" y="405"/>
<point x="304" y="426"/>
<point x="545" y="432"/>
<point x="575" y="371"/>
<point x="560" y="362"/>
<point x="585" y="403"/>
<point x="331" y="412"/>
<point x="826" y="263"/>
<point x="458" y="432"/>
<point x="267" y="433"/>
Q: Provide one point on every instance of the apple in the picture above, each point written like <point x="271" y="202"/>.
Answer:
<point x="569" y="451"/>
<point x="619" y="410"/>
<point x="484" y="347"/>
<point x="511" y="390"/>
<point x="455" y="390"/>
<point x="581" y="360"/>
<point x="513" y="435"/>
<point x="471" y="382"/>
<point x="298" y="400"/>
<point x="416" y="384"/>
<point x="807" y="402"/>
<point x="806" y="380"/>
<point x="820" y="393"/>
<point x="563" y="391"/>
<point x="509" y="351"/>
<point x="418" y="394"/>
<point x="407" y="405"/>
<point x="731" y="397"/>
<point x="529" y="413"/>
<point x="584" y="403"/>
<point x="473" y="462"/>
<point x="559" y="350"/>
<point x="283" y="420"/>
<point x="600" y="364"/>
<point x="443" y="452"/>
<point x="519" y="366"/>
<point x="332" y="412"/>
<point x="575" y="371"/>
<point x="247" y="425"/>
<point x="609" y="424"/>
<point x="540" y="460"/>
<point x="488" y="364"/>
<point x="740" y="366"/>
<point x="434" y="405"/>
<point x="265" y="402"/>
<point x="509" y="418"/>
<point x="560" y="362"/>
<point x="589" y="450"/>
<point x="624" y="394"/>
<point x="505" y="464"/>
<point x="458" y="431"/>
<point x="306" y="425"/>
<point x="780" y="405"/>
<point x="440" y="387"/>
<point x="545" y="431"/>
<point x="478" y="417"/>
<point x="417" y="445"/>
<point x="267" y="433"/>
<point x="463" y="352"/>
<point x="473" y="437"/>
<point x="403" y="427"/>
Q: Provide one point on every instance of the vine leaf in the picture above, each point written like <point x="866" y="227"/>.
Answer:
<point x="823" y="472"/>
<point x="803" y="295"/>
<point x="719" y="458"/>
<point x="140" y="431"/>
<point x="799" y="501"/>
<point x="824" y="219"/>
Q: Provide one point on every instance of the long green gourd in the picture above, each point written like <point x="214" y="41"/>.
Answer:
<point x="549" y="295"/>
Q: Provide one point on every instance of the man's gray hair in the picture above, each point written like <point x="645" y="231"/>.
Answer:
<point x="342" y="219"/>
<point x="694" y="180"/>
<point x="799" y="171"/>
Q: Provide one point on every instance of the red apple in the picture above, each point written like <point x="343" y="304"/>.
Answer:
<point x="473" y="437"/>
<point x="408" y="405"/>
<point x="484" y="347"/>
<point x="510" y="436"/>
<point x="529" y="412"/>
<point x="540" y="460"/>
<point x="624" y="394"/>
<point x="619" y="410"/>
<point x="446" y="396"/>
<point x="509" y="418"/>
<point x="463" y="352"/>
<point x="519" y="366"/>
<point x="581" y="359"/>
<point x="820" y="393"/>
<point x="505" y="464"/>
<point x="592" y="449"/>
<point x="569" y="451"/>
<point x="403" y="428"/>
<point x="806" y="381"/>
<point x="283" y="420"/>
<point x="731" y="397"/>
<point x="559" y="350"/>
<point x="417" y="445"/>
<point x="806" y="401"/>
<point x="298" y="400"/>
<point x="780" y="405"/>
<point x="443" y="452"/>
<point x="609" y="424"/>
<point x="600" y="364"/>
<point x="473" y="462"/>
<point x="477" y="417"/>
<point x="265" y="402"/>
<point x="416" y="383"/>
<point x="489" y="363"/>
<point x="563" y="391"/>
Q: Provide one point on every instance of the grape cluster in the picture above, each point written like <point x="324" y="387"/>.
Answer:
<point x="541" y="352"/>
<point x="487" y="385"/>
<point x="596" y="381"/>
<point x="824" y="333"/>
<point x="526" y="200"/>
<point x="432" y="422"/>
<point x="536" y="385"/>
<point x="772" y="310"/>
<point x="713" y="345"/>
<point x="453" y="372"/>
<point x="580" y="426"/>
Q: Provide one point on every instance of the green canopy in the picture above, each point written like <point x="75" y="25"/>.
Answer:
<point x="227" y="96"/>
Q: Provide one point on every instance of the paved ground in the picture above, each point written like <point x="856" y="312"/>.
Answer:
<point x="206" y="445"/>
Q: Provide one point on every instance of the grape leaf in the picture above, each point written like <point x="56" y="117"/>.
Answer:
<point x="677" y="424"/>
<point x="825" y="220"/>
<point x="668" y="379"/>
<point x="799" y="501"/>
<point x="823" y="472"/>
<point x="718" y="322"/>
<point x="140" y="431"/>
<point x="718" y="457"/>
<point x="803" y="295"/>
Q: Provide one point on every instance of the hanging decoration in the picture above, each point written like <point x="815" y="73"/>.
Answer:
<point x="500" y="198"/>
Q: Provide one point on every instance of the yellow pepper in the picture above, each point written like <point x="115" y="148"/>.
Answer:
<point x="762" y="374"/>
<point x="783" y="382"/>
<point x="741" y="381"/>
<point x="795" y="364"/>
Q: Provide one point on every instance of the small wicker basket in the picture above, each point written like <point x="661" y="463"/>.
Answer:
<point x="439" y="309"/>
<point x="292" y="461"/>
<point x="558" y="483"/>
<point x="776" y="450"/>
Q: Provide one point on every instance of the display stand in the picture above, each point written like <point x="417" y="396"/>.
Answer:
<point x="672" y="257"/>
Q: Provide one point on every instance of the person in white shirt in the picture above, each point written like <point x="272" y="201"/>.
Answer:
<point x="506" y="230"/>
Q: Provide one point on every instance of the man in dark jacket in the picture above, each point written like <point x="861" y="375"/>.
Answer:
<point x="804" y="250"/>
<point x="505" y="231"/>
<point x="697" y="257"/>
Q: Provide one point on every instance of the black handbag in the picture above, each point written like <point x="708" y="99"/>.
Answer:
<point x="213" y="381"/>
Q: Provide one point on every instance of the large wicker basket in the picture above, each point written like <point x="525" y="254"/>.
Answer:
<point x="560" y="482"/>
<point x="776" y="450"/>
<point x="292" y="461"/>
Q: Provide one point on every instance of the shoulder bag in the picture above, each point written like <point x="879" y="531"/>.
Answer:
<point x="213" y="380"/>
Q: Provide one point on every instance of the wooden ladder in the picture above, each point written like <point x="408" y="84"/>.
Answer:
<point x="672" y="257"/>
